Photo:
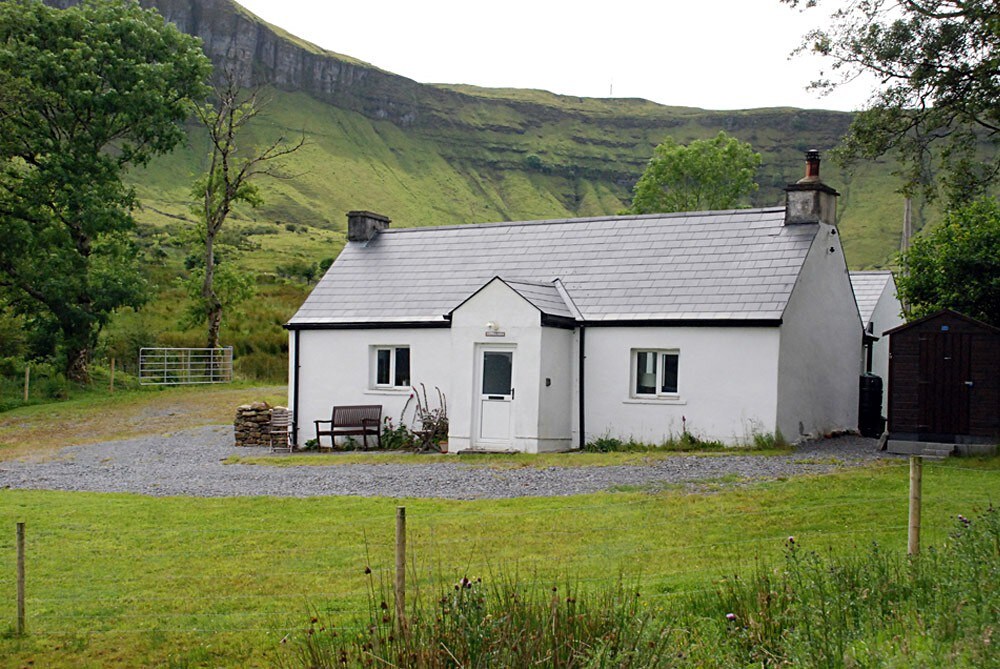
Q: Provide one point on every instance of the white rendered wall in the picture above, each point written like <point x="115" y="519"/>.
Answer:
<point x="556" y="400"/>
<point x="886" y="316"/>
<point x="727" y="383"/>
<point x="820" y="340"/>
<point x="334" y="369"/>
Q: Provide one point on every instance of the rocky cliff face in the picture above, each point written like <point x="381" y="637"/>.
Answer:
<point x="258" y="53"/>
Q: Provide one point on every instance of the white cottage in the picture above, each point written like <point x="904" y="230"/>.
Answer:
<point x="547" y="334"/>
<point x="880" y="311"/>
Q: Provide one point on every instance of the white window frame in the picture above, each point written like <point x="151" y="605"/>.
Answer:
<point x="373" y="368"/>
<point x="660" y="368"/>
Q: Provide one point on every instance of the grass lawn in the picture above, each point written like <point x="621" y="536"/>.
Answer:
<point x="127" y="580"/>
<point x="124" y="580"/>
<point x="487" y="460"/>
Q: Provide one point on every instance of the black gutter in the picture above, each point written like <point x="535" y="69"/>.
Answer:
<point x="391" y="325"/>
<point x="564" y="322"/>
<point x="295" y="391"/>
<point x="583" y="386"/>
<point x="688" y="322"/>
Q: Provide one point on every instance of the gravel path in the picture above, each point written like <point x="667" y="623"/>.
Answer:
<point x="189" y="463"/>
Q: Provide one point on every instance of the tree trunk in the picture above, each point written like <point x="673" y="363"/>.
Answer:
<point x="76" y="324"/>
<point x="213" y="307"/>
<point x="214" y="324"/>
<point x="77" y="363"/>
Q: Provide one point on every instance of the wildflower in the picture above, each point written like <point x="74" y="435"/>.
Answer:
<point x="791" y="541"/>
<point x="314" y="620"/>
<point x="368" y="569"/>
<point x="965" y="521"/>
<point x="730" y="617"/>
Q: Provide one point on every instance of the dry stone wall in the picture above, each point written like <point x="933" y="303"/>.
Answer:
<point x="252" y="424"/>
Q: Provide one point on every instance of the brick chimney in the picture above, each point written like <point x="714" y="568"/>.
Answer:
<point x="809" y="200"/>
<point x="362" y="226"/>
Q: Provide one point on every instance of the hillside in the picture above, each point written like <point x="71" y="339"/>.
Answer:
<point x="430" y="155"/>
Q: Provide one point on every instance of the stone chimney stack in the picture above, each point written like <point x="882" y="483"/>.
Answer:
<point x="362" y="226"/>
<point x="809" y="200"/>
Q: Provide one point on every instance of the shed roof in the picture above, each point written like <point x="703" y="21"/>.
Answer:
<point x="941" y="315"/>
<point x="724" y="265"/>
<point x="868" y="288"/>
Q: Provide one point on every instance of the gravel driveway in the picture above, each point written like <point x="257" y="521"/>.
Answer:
<point x="189" y="463"/>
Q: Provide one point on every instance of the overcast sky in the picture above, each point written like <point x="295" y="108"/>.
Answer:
<point x="714" y="54"/>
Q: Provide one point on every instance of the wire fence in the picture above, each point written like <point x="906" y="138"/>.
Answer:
<point x="245" y="576"/>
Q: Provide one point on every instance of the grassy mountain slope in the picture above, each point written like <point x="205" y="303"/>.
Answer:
<point x="564" y="165"/>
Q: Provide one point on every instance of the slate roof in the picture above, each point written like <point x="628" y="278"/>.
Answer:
<point x="868" y="287"/>
<point x="722" y="265"/>
<point x="545" y="297"/>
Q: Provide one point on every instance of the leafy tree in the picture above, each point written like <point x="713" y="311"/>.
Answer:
<point x="86" y="93"/>
<point x="228" y="182"/>
<point x="956" y="265"/>
<point x="715" y="173"/>
<point x="937" y="63"/>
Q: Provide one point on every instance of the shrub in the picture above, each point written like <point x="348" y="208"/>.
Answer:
<point x="396" y="436"/>
<point x="685" y="442"/>
<point x="474" y="624"/>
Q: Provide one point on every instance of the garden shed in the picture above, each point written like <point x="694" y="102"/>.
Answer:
<point x="944" y="385"/>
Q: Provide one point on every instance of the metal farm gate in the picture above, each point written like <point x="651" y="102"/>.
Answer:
<point x="178" y="366"/>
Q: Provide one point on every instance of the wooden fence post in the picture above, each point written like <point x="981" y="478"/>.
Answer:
<point x="27" y="381"/>
<point x="916" y="480"/>
<point x="112" y="382"/>
<point x="19" y="629"/>
<point x="400" y="569"/>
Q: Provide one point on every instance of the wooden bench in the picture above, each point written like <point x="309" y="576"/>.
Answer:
<point x="345" y="421"/>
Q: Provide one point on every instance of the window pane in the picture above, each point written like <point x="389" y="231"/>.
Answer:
<point x="670" y="363"/>
<point x="402" y="366"/>
<point x="496" y="372"/>
<point x="382" y="366"/>
<point x="645" y="373"/>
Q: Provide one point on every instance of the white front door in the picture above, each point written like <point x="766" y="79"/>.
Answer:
<point x="496" y="397"/>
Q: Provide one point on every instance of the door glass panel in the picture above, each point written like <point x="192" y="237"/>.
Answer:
<point x="496" y="372"/>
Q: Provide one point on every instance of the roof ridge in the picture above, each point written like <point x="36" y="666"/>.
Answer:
<point x="528" y="282"/>
<point x="588" y="219"/>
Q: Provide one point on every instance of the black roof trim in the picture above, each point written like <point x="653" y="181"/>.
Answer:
<point x="688" y="322"/>
<point x="390" y="325"/>
<point x="564" y="322"/>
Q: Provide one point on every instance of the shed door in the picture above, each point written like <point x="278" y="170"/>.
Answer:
<point x="945" y="382"/>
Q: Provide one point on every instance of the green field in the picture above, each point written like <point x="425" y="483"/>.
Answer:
<point x="128" y="580"/>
